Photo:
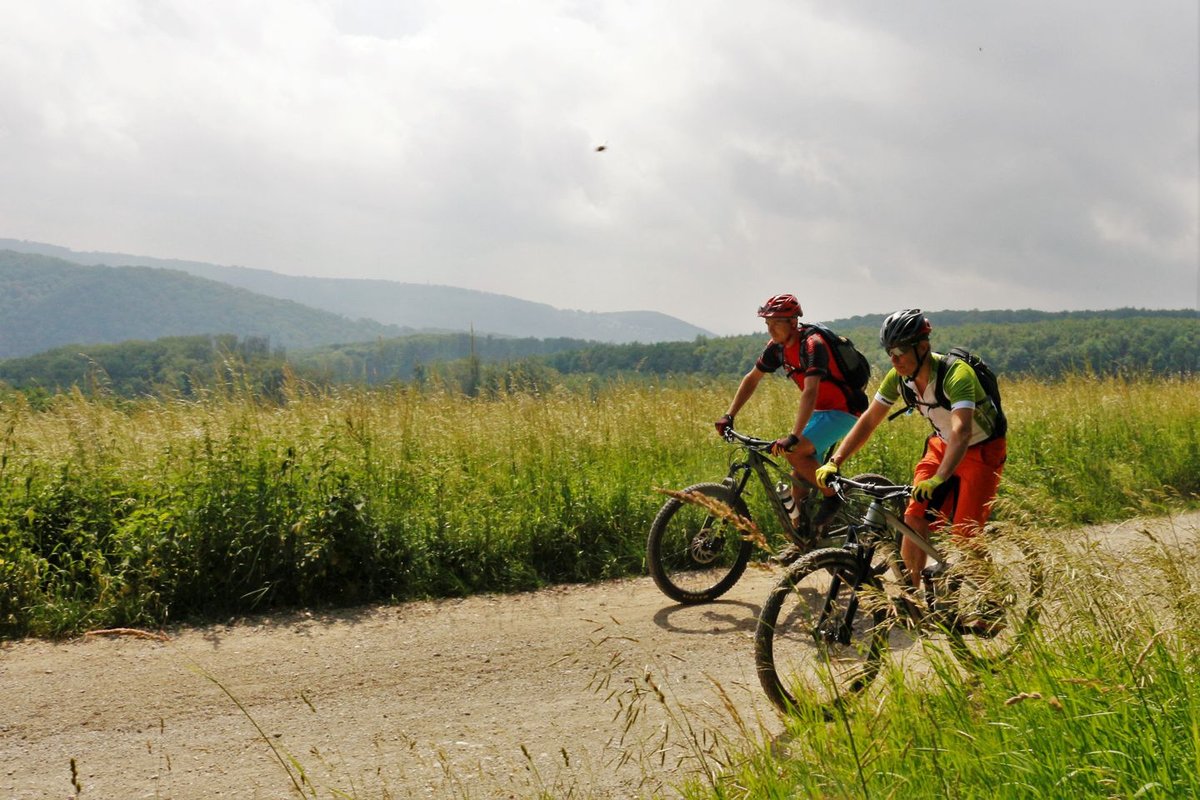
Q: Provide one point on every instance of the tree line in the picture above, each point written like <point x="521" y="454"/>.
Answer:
<point x="1125" y="342"/>
<point x="1121" y="344"/>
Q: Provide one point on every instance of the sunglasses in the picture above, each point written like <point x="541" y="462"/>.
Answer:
<point x="899" y="350"/>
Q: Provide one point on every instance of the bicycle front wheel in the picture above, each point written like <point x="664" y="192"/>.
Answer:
<point x="693" y="554"/>
<point x="822" y="632"/>
<point x="996" y="589"/>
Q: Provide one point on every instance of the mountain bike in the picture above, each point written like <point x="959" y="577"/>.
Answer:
<point x="696" y="554"/>
<point x="826" y="626"/>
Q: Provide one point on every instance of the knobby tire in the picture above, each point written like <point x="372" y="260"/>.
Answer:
<point x="693" y="555"/>
<point x="821" y="634"/>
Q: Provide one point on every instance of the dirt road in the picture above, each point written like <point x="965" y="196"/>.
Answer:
<point x="552" y="692"/>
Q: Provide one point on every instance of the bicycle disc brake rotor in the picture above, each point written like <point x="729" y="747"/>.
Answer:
<point x="832" y="631"/>
<point x="706" y="546"/>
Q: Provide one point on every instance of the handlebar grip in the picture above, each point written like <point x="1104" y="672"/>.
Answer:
<point x="733" y="436"/>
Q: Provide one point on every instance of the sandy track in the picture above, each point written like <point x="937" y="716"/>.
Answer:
<point x="493" y="696"/>
<point x="424" y="699"/>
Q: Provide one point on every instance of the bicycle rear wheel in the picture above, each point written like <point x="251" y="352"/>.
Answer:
<point x="822" y="632"/>
<point x="694" y="555"/>
<point x="997" y="586"/>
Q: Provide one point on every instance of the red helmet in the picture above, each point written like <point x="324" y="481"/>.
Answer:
<point x="780" y="306"/>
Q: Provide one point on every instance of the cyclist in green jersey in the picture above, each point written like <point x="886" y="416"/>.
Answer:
<point x="955" y="481"/>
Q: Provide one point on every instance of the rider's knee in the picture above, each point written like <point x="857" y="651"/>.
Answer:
<point x="804" y="448"/>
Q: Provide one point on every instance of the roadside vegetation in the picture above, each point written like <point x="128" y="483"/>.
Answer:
<point x="143" y="513"/>
<point x="1104" y="702"/>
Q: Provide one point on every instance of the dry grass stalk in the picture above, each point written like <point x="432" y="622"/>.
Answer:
<point x="134" y="632"/>
<point x="750" y="531"/>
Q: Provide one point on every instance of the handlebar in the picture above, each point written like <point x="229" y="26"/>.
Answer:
<point x="839" y="483"/>
<point x="879" y="491"/>
<point x="749" y="441"/>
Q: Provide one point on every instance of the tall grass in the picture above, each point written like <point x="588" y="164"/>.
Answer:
<point x="1090" y="449"/>
<point x="141" y="513"/>
<point x="1104" y="703"/>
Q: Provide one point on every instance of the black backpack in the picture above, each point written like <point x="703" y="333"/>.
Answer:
<point x="987" y="379"/>
<point x="853" y="365"/>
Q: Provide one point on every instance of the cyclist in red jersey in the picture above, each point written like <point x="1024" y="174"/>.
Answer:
<point x="824" y="415"/>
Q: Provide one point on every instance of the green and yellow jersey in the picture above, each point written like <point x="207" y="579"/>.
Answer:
<point x="961" y="388"/>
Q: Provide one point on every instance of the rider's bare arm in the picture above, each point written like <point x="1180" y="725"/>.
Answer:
<point x="745" y="389"/>
<point x="956" y="445"/>
<point x="808" y="402"/>
<point x="862" y="430"/>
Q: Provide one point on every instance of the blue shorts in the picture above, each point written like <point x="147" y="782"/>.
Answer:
<point x="825" y="428"/>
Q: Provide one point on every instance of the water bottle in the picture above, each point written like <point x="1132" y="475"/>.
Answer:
<point x="784" y="490"/>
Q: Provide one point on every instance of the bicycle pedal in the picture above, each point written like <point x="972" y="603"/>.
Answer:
<point x="907" y="607"/>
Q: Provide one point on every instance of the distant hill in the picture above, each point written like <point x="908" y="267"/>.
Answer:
<point x="47" y="302"/>
<point x="415" y="306"/>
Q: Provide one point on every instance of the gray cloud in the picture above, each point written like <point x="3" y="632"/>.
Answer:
<point x="864" y="155"/>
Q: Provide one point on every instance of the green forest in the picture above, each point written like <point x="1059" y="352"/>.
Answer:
<point x="1020" y="343"/>
<point x="47" y="303"/>
<point x="1128" y="342"/>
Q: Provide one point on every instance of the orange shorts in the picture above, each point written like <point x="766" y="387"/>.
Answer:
<point x="966" y="499"/>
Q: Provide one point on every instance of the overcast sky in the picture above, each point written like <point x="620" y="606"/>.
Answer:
<point x="865" y="155"/>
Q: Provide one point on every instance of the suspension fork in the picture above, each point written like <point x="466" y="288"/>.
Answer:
<point x="739" y="474"/>
<point x="862" y="570"/>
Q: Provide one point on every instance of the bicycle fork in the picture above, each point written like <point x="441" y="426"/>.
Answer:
<point x="829" y="628"/>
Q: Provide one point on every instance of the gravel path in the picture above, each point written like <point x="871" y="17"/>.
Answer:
<point x="555" y="691"/>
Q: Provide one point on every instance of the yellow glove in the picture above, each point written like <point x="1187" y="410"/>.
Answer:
<point x="924" y="490"/>
<point x="825" y="472"/>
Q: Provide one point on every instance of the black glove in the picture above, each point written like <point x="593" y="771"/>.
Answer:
<point x="785" y="444"/>
<point x="724" y="423"/>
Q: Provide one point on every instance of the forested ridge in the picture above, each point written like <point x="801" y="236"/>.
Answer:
<point x="1042" y="344"/>
<point x="189" y="297"/>
<point x="47" y="303"/>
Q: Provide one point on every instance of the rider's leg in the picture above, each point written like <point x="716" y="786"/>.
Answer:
<point x="822" y="432"/>
<point x="920" y="514"/>
<point x="804" y="474"/>
<point x="979" y="478"/>
<point x="804" y="466"/>
<point x="965" y="501"/>
<point x="914" y="557"/>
